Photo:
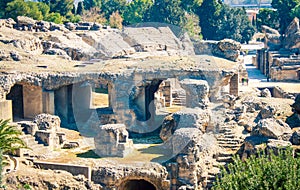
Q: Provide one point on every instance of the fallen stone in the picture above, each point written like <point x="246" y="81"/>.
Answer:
<point x="70" y="145"/>
<point x="47" y="122"/>
<point x="266" y="93"/>
<point x="296" y="137"/>
<point x="267" y="112"/>
<point x="112" y="141"/>
<point x="272" y="128"/>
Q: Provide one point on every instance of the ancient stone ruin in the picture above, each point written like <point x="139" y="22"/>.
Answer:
<point x="279" y="59"/>
<point x="142" y="107"/>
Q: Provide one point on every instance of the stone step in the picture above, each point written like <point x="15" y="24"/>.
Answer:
<point x="229" y="136"/>
<point x="226" y="159"/>
<point x="228" y="142"/>
<point x="229" y="139"/>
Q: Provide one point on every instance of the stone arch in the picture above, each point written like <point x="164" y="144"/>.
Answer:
<point x="28" y="100"/>
<point x="136" y="184"/>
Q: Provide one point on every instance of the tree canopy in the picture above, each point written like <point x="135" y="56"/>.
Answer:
<point x="208" y="18"/>
<point x="284" y="9"/>
<point x="267" y="171"/>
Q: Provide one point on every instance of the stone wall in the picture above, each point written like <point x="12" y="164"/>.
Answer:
<point x="72" y="168"/>
<point x="114" y="177"/>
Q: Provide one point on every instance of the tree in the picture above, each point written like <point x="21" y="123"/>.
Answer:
<point x="192" y="26"/>
<point x="94" y="15"/>
<point x="63" y="7"/>
<point x="235" y="25"/>
<point x="80" y="8"/>
<point x="267" y="171"/>
<point x="115" y="20"/>
<point x="3" y="5"/>
<point x="168" y="11"/>
<point x="296" y="11"/>
<point x="110" y="6"/>
<point x="267" y="17"/>
<point x="135" y="11"/>
<point x="34" y="11"/>
<point x="9" y="138"/>
<point x="16" y="8"/>
<point x="55" y="17"/>
<point x="191" y="5"/>
<point x="208" y="13"/>
<point x="88" y="4"/>
<point x="44" y="8"/>
<point x="284" y="8"/>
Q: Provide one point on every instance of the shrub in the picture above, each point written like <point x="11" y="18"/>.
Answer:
<point x="267" y="171"/>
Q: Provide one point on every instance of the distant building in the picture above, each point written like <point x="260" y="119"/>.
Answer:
<point x="251" y="13"/>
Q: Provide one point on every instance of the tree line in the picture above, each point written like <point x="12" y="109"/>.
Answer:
<point x="203" y="19"/>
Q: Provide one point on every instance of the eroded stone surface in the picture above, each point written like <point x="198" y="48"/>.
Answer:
<point x="112" y="140"/>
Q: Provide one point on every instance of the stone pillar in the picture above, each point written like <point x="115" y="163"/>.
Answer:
<point x="82" y="101"/>
<point x="167" y="91"/>
<point x="48" y="102"/>
<point x="196" y="92"/>
<point x="62" y="103"/>
<point x="112" y="141"/>
<point x="32" y="101"/>
<point x="234" y="85"/>
<point x="6" y="109"/>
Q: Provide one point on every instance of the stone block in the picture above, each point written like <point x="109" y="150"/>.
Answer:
<point x="112" y="141"/>
<point x="196" y="92"/>
<point x="6" y="109"/>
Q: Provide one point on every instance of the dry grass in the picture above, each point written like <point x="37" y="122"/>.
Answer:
<point x="100" y="100"/>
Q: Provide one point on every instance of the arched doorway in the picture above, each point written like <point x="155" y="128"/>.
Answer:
<point x="137" y="184"/>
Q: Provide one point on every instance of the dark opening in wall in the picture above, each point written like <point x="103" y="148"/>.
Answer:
<point x="137" y="185"/>
<point x="16" y="95"/>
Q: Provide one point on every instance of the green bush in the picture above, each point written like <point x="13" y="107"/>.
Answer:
<point x="262" y="172"/>
<point x="1" y="166"/>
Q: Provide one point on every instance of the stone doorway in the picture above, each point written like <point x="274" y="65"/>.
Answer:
<point x="136" y="185"/>
<point x="16" y="96"/>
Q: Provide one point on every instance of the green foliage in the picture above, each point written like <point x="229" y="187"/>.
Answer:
<point x="208" y="13"/>
<point x="71" y="18"/>
<point x="94" y="15"/>
<point x="168" y="11"/>
<point x="63" y="7"/>
<point x="296" y="11"/>
<point x="1" y="166"/>
<point x="267" y="17"/>
<point x="27" y="186"/>
<point x="234" y="24"/>
<point x="80" y="8"/>
<point x="3" y="5"/>
<point x="192" y="26"/>
<point x="284" y="8"/>
<point x="9" y="137"/>
<point x="44" y="8"/>
<point x="55" y="17"/>
<point x="263" y="172"/>
<point x="115" y="20"/>
<point x="136" y="10"/>
<point x="191" y="5"/>
<point x="110" y="6"/>
<point x="16" y="8"/>
<point x="34" y="11"/>
<point x="88" y="4"/>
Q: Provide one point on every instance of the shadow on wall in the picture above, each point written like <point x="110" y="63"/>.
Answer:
<point x="137" y="184"/>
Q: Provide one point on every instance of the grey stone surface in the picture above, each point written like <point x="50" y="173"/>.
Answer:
<point x="47" y="122"/>
<point x="272" y="128"/>
<point x="112" y="141"/>
<point x="186" y="118"/>
<point x="196" y="92"/>
<point x="296" y="137"/>
<point x="266" y="93"/>
<point x="267" y="112"/>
